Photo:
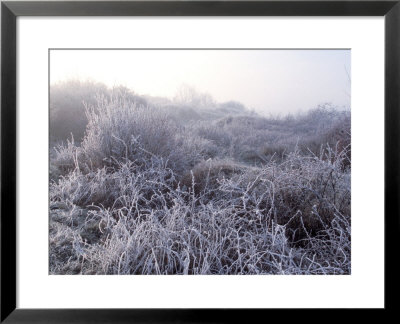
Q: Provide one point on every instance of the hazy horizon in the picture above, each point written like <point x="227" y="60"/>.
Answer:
<point x="268" y="81"/>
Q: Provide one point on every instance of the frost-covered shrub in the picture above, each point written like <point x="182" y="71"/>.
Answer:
<point x="303" y="193"/>
<point x="67" y="106"/>
<point x="121" y="129"/>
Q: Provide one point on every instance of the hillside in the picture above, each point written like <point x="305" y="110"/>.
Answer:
<point x="152" y="185"/>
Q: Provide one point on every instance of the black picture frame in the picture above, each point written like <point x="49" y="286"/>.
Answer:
<point x="10" y="10"/>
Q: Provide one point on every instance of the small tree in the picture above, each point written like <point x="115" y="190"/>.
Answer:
<point x="188" y="95"/>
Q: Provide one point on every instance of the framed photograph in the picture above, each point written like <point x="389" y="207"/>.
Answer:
<point x="187" y="161"/>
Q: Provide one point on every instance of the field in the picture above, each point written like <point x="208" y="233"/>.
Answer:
<point x="148" y="185"/>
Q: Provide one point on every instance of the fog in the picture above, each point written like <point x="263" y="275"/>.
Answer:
<point x="268" y="81"/>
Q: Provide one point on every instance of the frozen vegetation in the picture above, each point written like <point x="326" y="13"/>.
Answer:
<point x="189" y="186"/>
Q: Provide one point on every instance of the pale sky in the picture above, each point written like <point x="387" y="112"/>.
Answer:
<point x="268" y="81"/>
